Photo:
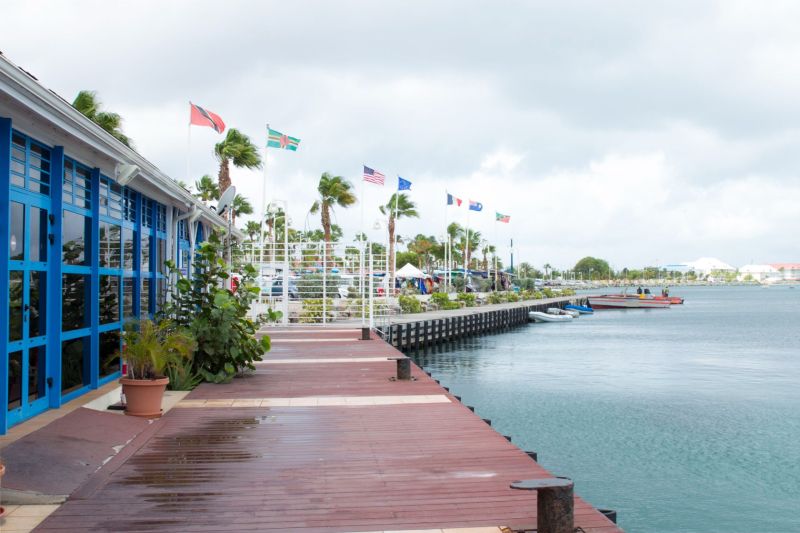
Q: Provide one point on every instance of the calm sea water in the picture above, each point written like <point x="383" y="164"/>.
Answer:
<point x="683" y="420"/>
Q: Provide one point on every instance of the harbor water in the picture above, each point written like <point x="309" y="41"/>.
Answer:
<point x="684" y="419"/>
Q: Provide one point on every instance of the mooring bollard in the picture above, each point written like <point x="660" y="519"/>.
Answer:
<point x="533" y="455"/>
<point x="403" y="369"/>
<point x="508" y="437"/>
<point x="471" y="408"/>
<point x="554" y="503"/>
<point x="487" y="420"/>
<point x="611" y="514"/>
<point x="457" y="397"/>
<point x="364" y="334"/>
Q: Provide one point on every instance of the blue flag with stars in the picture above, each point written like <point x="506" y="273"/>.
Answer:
<point x="403" y="185"/>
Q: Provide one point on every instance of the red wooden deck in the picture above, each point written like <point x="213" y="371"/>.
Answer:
<point x="327" y="468"/>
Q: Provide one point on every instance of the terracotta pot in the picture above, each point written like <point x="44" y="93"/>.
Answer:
<point x="143" y="396"/>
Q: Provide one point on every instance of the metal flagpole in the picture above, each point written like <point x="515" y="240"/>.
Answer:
<point x="446" y="245"/>
<point x="363" y="251"/>
<point x="263" y="210"/>
<point x="189" y="147"/>
<point x="394" y="245"/>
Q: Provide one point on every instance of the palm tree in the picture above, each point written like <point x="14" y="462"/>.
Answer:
<point x="252" y="229"/>
<point x="422" y="246"/>
<point x="524" y="270"/>
<point x="240" y="206"/>
<point x="547" y="268"/>
<point x="207" y="189"/>
<point x="87" y="103"/>
<point x="333" y="190"/>
<point x="399" y="206"/>
<point x="474" y="243"/>
<point x="236" y="149"/>
<point x="486" y="250"/>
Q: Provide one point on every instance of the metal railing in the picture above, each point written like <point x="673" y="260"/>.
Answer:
<point x="312" y="283"/>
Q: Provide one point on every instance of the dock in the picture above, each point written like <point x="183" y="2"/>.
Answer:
<point x="413" y="332"/>
<point x="322" y="438"/>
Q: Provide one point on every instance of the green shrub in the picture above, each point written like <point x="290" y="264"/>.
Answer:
<point x="409" y="304"/>
<point x="468" y="298"/>
<point x="312" y="310"/>
<point x="443" y="301"/>
<point x="496" y="298"/>
<point x="512" y="297"/>
<point x="183" y="376"/>
<point x="215" y="316"/>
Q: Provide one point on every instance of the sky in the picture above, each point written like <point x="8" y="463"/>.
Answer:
<point x="643" y="133"/>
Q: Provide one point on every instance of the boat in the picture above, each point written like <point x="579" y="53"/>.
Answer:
<point x="559" y="311"/>
<point x="674" y="300"/>
<point x="625" y="301"/>
<point x="538" y="316"/>
<point x="582" y="309"/>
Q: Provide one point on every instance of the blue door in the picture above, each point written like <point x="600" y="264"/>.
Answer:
<point x="29" y="251"/>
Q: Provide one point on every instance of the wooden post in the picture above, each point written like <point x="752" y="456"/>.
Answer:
<point x="403" y="369"/>
<point x="416" y="335"/>
<point x="554" y="503"/>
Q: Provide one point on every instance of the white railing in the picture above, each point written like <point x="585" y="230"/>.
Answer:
<point x="311" y="283"/>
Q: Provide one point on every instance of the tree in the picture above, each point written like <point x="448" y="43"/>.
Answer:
<point x="474" y="243"/>
<point x="207" y="188"/>
<point x="240" y="206"/>
<point x="399" y="206"/>
<point x="238" y="150"/>
<point x="547" y="268"/>
<point x="333" y="190"/>
<point x="422" y="246"/>
<point x="87" y="103"/>
<point x="486" y="250"/>
<point x="252" y="229"/>
<point x="589" y="265"/>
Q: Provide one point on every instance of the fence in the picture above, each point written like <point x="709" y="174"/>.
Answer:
<point x="315" y="283"/>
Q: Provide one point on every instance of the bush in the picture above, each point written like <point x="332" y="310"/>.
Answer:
<point x="512" y="297"/>
<point x="310" y="286"/>
<point x="467" y="297"/>
<point x="217" y="317"/>
<point x="496" y="298"/>
<point x="312" y="310"/>
<point x="443" y="301"/>
<point x="409" y="304"/>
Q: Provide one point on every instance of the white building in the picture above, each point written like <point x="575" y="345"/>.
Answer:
<point x="759" y="273"/>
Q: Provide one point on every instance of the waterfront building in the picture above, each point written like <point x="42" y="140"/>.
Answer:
<point x="787" y="271"/>
<point x="758" y="273"/>
<point x="87" y="224"/>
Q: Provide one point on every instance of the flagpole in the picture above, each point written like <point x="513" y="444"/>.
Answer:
<point x="189" y="147"/>
<point x="446" y="245"/>
<point x="363" y="251"/>
<point x="263" y="208"/>
<point x="394" y="245"/>
<point x="495" y="252"/>
<point x="466" y="249"/>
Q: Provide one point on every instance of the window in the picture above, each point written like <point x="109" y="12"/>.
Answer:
<point x="128" y="295"/>
<point x="162" y="256"/>
<point x="30" y="164"/>
<point x="77" y="184"/>
<point x="110" y="198"/>
<point x="37" y="295"/>
<point x="16" y="245"/>
<point x="144" y="308"/>
<point x="73" y="301"/>
<point x="128" y="249"/>
<point x="109" y="299"/>
<point x="75" y="361"/>
<point x="14" y="380"/>
<point x="110" y="345"/>
<point x="129" y="204"/>
<point x="110" y="247"/>
<point x="38" y="235"/>
<point x="145" y="252"/>
<point x="15" y="306"/>
<point x="74" y="235"/>
<point x="37" y="374"/>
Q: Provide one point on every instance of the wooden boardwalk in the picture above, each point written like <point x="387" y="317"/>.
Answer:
<point x="318" y="439"/>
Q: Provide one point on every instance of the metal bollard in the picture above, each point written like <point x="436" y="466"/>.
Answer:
<point x="487" y="420"/>
<point x="457" y="397"/>
<point x="533" y="455"/>
<point x="364" y="334"/>
<point x="555" y="504"/>
<point x="611" y="514"/>
<point x="404" y="369"/>
<point x="471" y="408"/>
<point x="508" y="437"/>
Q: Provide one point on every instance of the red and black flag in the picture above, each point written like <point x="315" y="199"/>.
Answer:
<point x="201" y="117"/>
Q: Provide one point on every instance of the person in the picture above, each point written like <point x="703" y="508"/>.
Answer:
<point x="646" y="291"/>
<point x="639" y="290"/>
<point x="666" y="292"/>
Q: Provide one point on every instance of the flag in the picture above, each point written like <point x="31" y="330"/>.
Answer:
<point x="475" y="206"/>
<point x="403" y="185"/>
<point x="200" y="117"/>
<point x="452" y="199"/>
<point x="505" y="219"/>
<point x="373" y="176"/>
<point x="277" y="139"/>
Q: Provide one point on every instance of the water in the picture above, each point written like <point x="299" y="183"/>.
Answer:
<point x="683" y="420"/>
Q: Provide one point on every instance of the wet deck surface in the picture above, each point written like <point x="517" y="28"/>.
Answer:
<point x="346" y="450"/>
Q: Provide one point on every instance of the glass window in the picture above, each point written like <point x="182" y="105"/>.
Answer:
<point x="110" y="198"/>
<point x="145" y="252"/>
<point x="144" y="308"/>
<point x="38" y="234"/>
<point x="162" y="256"/>
<point x="110" y="249"/>
<point x="109" y="299"/>
<point x="15" y="306"/>
<point x="37" y="373"/>
<point x="129" y="204"/>
<point x="73" y="301"/>
<point x="75" y="235"/>
<point x="77" y="185"/>
<point x="161" y="292"/>
<point x="127" y="248"/>
<point x="37" y="319"/>
<point x="16" y="245"/>
<point x="109" y="353"/>
<point x="14" y="380"/>
<point x="127" y="297"/>
<point x="74" y="364"/>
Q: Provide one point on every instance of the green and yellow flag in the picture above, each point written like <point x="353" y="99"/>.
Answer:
<point x="277" y="139"/>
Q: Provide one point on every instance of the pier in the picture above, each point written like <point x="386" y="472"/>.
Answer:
<point x="321" y="437"/>
<point x="423" y="330"/>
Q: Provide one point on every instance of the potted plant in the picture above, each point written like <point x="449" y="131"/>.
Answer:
<point x="149" y="349"/>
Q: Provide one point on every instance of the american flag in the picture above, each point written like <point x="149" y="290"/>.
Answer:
<point x="373" y="176"/>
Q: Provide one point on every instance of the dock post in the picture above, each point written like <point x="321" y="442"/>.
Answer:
<point x="533" y="455"/>
<point x="555" y="503"/>
<point x="364" y="334"/>
<point x="403" y="369"/>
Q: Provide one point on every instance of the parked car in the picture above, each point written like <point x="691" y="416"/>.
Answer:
<point x="276" y="289"/>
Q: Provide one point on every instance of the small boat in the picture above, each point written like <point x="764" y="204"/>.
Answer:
<point x="674" y="300"/>
<point x="538" y="316"/>
<point x="625" y="301"/>
<point x="559" y="311"/>
<point x="582" y="309"/>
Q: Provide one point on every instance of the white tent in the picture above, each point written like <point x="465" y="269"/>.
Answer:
<point x="410" y="271"/>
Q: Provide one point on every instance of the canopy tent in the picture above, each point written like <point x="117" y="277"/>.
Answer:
<point x="410" y="271"/>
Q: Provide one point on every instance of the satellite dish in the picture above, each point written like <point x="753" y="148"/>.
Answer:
<point x="226" y="200"/>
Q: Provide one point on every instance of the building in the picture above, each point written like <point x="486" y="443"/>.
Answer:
<point x="758" y="273"/>
<point x="787" y="271"/>
<point x="87" y="226"/>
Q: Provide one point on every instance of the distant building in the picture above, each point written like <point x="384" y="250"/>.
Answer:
<point x="706" y="265"/>
<point x="759" y="273"/>
<point x="787" y="271"/>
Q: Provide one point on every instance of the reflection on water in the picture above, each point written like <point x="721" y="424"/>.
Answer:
<point x="682" y="419"/>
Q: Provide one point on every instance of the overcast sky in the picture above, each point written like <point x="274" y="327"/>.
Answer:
<point x="641" y="133"/>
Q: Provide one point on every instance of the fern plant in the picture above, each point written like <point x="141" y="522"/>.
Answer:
<point x="151" y="348"/>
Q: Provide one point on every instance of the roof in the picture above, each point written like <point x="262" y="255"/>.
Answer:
<point x="785" y="266"/>
<point x="25" y="89"/>
<point x="409" y="271"/>
<point x="709" y="264"/>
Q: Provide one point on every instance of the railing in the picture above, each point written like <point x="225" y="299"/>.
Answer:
<point x="312" y="283"/>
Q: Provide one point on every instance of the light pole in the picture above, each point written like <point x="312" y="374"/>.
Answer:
<point x="285" y="294"/>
